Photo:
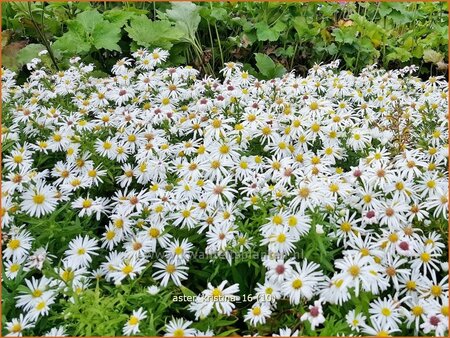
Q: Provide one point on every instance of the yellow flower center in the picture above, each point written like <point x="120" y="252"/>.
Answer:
<point x="417" y="310"/>
<point x="346" y="227"/>
<point x="127" y="269"/>
<point x="36" y="293"/>
<point x="38" y="199"/>
<point x="178" y="333"/>
<point x="87" y="204"/>
<point x="216" y="293"/>
<point x="354" y="270"/>
<point x="256" y="310"/>
<point x="133" y="320"/>
<point x="154" y="232"/>
<point x="425" y="257"/>
<point x="170" y="268"/>
<point x="436" y="290"/>
<point x="16" y="328"/>
<point x="297" y="284"/>
<point x="385" y="312"/>
<point x="18" y="159"/>
<point x="281" y="238"/>
<point x="14" y="244"/>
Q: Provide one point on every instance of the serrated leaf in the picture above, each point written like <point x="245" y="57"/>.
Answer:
<point x="400" y="54"/>
<point x="163" y="32"/>
<point x="265" y="33"/>
<point x="106" y="35"/>
<point x="89" y="20"/>
<point x="74" y="41"/>
<point x="344" y="35"/>
<point x="118" y="16"/>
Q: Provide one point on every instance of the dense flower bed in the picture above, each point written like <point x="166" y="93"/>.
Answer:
<point x="183" y="206"/>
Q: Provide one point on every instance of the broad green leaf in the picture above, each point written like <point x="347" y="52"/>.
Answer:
<point x="346" y="35"/>
<point x="75" y="41"/>
<point x="72" y="42"/>
<point x="400" y="54"/>
<point x="186" y="16"/>
<point x="106" y="35"/>
<point x="118" y="16"/>
<point x="29" y="52"/>
<point x="89" y="20"/>
<point x="162" y="32"/>
<point x="267" y="67"/>
<point x="265" y="33"/>
<point x="384" y="9"/>
<point x="302" y="27"/>
<point x="219" y="14"/>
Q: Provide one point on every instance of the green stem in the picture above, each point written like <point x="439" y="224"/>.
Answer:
<point x="220" y="45"/>
<point x="212" y="45"/>
<point x="43" y="38"/>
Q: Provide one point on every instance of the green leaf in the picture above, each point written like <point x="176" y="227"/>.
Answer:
<point x="219" y="14"/>
<point x="400" y="54"/>
<point x="187" y="292"/>
<point x="74" y="41"/>
<point x="162" y="32"/>
<point x="29" y="52"/>
<point x="227" y="333"/>
<point x="267" y="67"/>
<point x="106" y="35"/>
<point x="264" y="32"/>
<point x="344" y="35"/>
<point x="89" y="20"/>
<point x="186" y="16"/>
<point x="384" y="9"/>
<point x="302" y="27"/>
<point x="118" y="16"/>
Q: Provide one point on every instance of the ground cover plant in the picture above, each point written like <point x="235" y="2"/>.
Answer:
<point x="205" y="35"/>
<point x="157" y="202"/>
<point x="246" y="169"/>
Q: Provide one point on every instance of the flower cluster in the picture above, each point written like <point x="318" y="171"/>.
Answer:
<point x="159" y="163"/>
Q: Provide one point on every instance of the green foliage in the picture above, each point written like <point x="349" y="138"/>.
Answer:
<point x="292" y="35"/>
<point x="267" y="67"/>
<point x="89" y="31"/>
<point x="163" y="33"/>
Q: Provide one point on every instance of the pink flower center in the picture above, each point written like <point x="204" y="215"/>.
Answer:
<point x="434" y="320"/>
<point x="314" y="311"/>
<point x="370" y="214"/>
<point x="357" y="173"/>
<point x="280" y="269"/>
<point x="404" y="245"/>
